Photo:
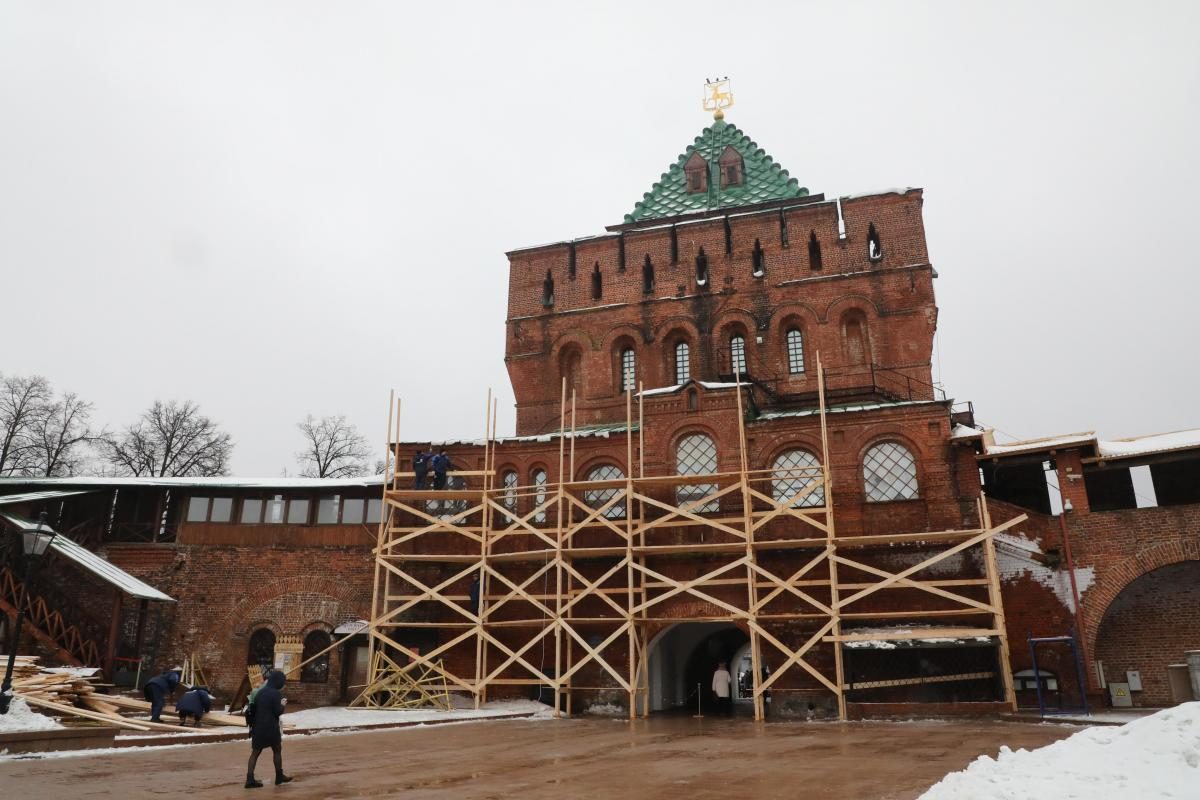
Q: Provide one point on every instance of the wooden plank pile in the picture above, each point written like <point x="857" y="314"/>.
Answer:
<point x="72" y="693"/>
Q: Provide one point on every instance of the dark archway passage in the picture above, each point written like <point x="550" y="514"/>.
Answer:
<point x="683" y="659"/>
<point x="1148" y="627"/>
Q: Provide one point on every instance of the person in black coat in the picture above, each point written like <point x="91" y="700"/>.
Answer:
<point x="195" y="704"/>
<point x="264" y="728"/>
<point x="421" y="461"/>
<point x="157" y="689"/>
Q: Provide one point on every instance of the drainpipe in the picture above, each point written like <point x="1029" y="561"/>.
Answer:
<point x="1081" y="634"/>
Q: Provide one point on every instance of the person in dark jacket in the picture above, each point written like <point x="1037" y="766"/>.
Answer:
<point x="195" y="704"/>
<point x="157" y="689"/>
<point x="421" y="461"/>
<point x="474" y="593"/>
<point x="264" y="728"/>
<point x="441" y="463"/>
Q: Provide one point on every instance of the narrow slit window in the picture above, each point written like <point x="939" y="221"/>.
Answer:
<point x="758" y="260"/>
<point x="728" y="238"/>
<point x="783" y="230"/>
<point x="548" y="290"/>
<point x="874" y="247"/>
<point x="795" y="351"/>
<point x="628" y="370"/>
<point x="647" y="276"/>
<point x="737" y="354"/>
<point x="683" y="362"/>
<point x="597" y="283"/>
<point x="539" y="496"/>
<point x="674" y="245"/>
<point x="701" y="268"/>
<point x="814" y="252"/>
<point x="621" y="253"/>
<point x="571" y="261"/>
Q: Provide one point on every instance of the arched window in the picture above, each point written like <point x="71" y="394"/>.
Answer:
<point x="509" y="480"/>
<point x="317" y="670"/>
<point x="889" y="473"/>
<point x="683" y="362"/>
<point x="737" y="354"/>
<point x="696" y="455"/>
<point x="854" y="334"/>
<point x="597" y="283"/>
<point x="262" y="648"/>
<point x="548" y="290"/>
<point x="874" y="247"/>
<point x="648" y="276"/>
<point x="814" y="252"/>
<point x="628" y="370"/>
<point x="795" y="351"/>
<point x="798" y="472"/>
<point x="695" y="172"/>
<point x="598" y="497"/>
<point x="758" y="260"/>
<point x="539" y="495"/>
<point x="701" y="268"/>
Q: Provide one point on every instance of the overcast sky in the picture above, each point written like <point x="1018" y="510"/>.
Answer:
<point x="277" y="209"/>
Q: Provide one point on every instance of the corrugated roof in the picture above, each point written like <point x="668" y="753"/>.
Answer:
<point x="764" y="180"/>
<point x="98" y="566"/>
<point x="34" y="497"/>
<point x="1150" y="445"/>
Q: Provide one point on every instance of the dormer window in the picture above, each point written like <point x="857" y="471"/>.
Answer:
<point x="732" y="167"/>
<point x="696" y="171"/>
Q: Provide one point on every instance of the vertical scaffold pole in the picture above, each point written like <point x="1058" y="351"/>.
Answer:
<point x="558" y="562"/>
<point x="996" y="601"/>
<point x="834" y="598"/>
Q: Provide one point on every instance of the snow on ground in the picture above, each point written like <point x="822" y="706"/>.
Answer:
<point x="21" y="717"/>
<point x="1154" y="757"/>
<point x="606" y="710"/>
<point x="339" y="717"/>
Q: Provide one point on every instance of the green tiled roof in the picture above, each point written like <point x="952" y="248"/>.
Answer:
<point x="764" y="179"/>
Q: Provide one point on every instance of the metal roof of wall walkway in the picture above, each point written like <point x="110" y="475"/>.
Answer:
<point x="35" y="497"/>
<point x="98" y="566"/>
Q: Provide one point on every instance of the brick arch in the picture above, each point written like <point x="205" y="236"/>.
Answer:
<point x="1099" y="597"/>
<point x="234" y="621"/>
<point x="851" y="302"/>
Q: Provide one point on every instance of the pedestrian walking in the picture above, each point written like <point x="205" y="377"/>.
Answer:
<point x="721" y="684"/>
<point x="194" y="704"/>
<point x="265" y="731"/>
<point x="157" y="689"/>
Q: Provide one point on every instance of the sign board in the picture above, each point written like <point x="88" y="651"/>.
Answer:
<point x="288" y="651"/>
<point x="1134" y="678"/>
<point x="1119" y="694"/>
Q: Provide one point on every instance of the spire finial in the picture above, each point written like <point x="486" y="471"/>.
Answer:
<point x="717" y="96"/>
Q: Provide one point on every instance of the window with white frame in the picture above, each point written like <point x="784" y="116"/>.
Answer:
<point x="598" y="497"/>
<point x="628" y="370"/>
<point x="683" y="362"/>
<point x="696" y="455"/>
<point x="795" y="351"/>
<point x="737" y="354"/>
<point x="539" y="495"/>
<point x="797" y="479"/>
<point x="889" y="473"/>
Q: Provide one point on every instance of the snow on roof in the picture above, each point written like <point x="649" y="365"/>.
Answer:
<point x="602" y="431"/>
<point x="963" y="432"/>
<point x="676" y="387"/>
<point x="807" y="412"/>
<point x="1146" y="445"/>
<point x="1047" y="443"/>
<point x="218" y="482"/>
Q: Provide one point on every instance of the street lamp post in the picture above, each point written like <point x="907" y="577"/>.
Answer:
<point x="35" y="541"/>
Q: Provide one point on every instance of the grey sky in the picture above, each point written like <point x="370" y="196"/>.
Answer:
<point x="277" y="209"/>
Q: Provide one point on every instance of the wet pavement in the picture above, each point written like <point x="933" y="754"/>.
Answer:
<point x="663" y="757"/>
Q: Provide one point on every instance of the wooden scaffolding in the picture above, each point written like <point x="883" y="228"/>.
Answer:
<point x="574" y="576"/>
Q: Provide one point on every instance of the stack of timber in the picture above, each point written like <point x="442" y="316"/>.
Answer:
<point x="72" y="693"/>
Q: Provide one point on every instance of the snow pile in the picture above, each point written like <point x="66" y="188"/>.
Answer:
<point x="1155" y="757"/>
<point x="21" y="718"/>
<point x="606" y="710"/>
<point x="339" y="717"/>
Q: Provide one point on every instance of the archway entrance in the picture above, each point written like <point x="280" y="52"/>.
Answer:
<point x="1149" y="627"/>
<point x="683" y="659"/>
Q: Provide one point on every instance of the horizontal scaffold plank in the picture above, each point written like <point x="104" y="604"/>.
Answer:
<point x="907" y="634"/>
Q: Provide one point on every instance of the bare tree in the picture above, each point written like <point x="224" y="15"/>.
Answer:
<point x="170" y="440"/>
<point x="22" y="402"/>
<point x="333" y="448"/>
<point x="60" y="433"/>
